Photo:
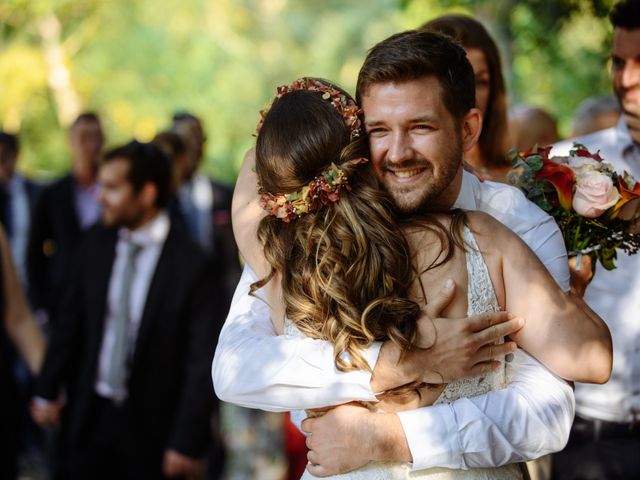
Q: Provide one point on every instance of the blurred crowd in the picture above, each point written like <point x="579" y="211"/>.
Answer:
<point x="130" y="255"/>
<point x="116" y="280"/>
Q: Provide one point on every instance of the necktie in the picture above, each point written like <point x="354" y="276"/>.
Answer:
<point x="118" y="368"/>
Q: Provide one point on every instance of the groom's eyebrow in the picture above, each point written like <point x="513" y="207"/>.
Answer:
<point x="424" y="118"/>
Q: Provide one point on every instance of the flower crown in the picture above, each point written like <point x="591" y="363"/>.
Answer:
<point x="322" y="190"/>
<point x="347" y="108"/>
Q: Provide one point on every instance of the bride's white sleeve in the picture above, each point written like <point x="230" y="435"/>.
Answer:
<point x="254" y="367"/>
<point x="529" y="418"/>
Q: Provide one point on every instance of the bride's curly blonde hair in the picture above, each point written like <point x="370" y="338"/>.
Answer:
<point x="346" y="269"/>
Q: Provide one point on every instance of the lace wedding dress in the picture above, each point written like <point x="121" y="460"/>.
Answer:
<point x="481" y="298"/>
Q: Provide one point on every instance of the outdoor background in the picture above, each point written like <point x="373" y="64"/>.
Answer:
<point x="135" y="62"/>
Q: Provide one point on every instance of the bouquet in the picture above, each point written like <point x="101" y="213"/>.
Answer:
<point x="596" y="208"/>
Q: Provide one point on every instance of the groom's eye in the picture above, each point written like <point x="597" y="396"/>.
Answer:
<point x="375" y="131"/>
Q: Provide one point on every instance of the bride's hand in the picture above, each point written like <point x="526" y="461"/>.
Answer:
<point x="449" y="348"/>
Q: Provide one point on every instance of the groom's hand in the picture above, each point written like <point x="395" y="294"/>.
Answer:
<point x="452" y="348"/>
<point x="350" y="436"/>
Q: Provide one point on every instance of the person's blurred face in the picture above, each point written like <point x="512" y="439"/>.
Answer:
<point x="478" y="62"/>
<point x="416" y="145"/>
<point x="121" y="205"/>
<point x="7" y="164"/>
<point x="193" y="134"/>
<point x="625" y="71"/>
<point x="86" y="140"/>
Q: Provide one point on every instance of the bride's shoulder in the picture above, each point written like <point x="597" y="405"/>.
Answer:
<point x="481" y="222"/>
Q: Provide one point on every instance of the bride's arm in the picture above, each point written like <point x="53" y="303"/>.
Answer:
<point x="18" y="320"/>
<point x="246" y="215"/>
<point x="560" y="330"/>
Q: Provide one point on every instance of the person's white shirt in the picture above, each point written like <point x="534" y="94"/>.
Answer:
<point x="615" y="296"/>
<point x="531" y="417"/>
<point x="21" y="219"/>
<point x="151" y="238"/>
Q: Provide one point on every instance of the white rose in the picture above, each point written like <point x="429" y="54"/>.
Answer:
<point x="594" y="194"/>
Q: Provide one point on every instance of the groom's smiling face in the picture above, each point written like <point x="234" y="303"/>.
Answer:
<point x="416" y="145"/>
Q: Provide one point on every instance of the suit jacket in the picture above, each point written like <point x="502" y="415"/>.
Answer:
<point x="53" y="240"/>
<point x="170" y="389"/>
<point x="224" y="259"/>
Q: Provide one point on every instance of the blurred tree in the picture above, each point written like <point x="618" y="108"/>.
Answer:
<point x="554" y="52"/>
<point x="137" y="62"/>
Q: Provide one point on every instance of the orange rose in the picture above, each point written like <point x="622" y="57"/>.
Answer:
<point x="562" y="178"/>
<point x="628" y="207"/>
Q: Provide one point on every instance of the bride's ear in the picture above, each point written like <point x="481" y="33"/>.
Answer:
<point x="471" y="128"/>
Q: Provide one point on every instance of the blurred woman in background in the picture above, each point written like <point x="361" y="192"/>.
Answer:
<point x="488" y="158"/>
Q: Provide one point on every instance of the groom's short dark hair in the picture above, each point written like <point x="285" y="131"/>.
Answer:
<point x="414" y="54"/>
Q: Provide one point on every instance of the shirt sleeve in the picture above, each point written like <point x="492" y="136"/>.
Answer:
<point x="254" y="367"/>
<point x="546" y="240"/>
<point x="529" y="418"/>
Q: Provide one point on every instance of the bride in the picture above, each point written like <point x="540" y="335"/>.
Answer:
<point x="336" y="264"/>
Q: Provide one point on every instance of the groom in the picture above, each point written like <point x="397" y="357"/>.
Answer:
<point x="417" y="141"/>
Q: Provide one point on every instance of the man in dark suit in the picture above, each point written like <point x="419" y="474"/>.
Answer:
<point x="18" y="197"/>
<point x="65" y="209"/>
<point x="133" y="346"/>
<point x="203" y="204"/>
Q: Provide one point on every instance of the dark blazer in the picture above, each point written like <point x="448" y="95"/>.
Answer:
<point x="33" y="190"/>
<point x="53" y="241"/>
<point x="170" y="389"/>
<point x="223" y="259"/>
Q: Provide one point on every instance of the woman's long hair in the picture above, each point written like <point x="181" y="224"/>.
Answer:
<point x="346" y="269"/>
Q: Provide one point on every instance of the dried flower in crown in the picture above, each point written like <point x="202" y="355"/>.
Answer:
<point x="322" y="190"/>
<point x="347" y="108"/>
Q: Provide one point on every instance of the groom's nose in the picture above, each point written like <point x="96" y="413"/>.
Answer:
<point x="399" y="148"/>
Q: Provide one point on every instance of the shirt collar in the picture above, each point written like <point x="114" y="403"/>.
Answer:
<point x="624" y="141"/>
<point x="153" y="232"/>
<point x="468" y="189"/>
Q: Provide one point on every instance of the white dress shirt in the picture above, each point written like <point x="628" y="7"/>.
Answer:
<point x="21" y="219"/>
<point x="615" y="296"/>
<point x="151" y="238"/>
<point x="254" y="367"/>
<point x="196" y="201"/>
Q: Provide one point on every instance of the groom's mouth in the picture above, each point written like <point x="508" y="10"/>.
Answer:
<point x="406" y="173"/>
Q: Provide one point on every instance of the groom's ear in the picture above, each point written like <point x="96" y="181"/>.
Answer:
<point x="471" y="128"/>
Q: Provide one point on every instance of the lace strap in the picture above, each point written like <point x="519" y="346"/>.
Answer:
<point x="481" y="297"/>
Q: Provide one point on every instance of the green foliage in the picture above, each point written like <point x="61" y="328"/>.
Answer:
<point x="137" y="62"/>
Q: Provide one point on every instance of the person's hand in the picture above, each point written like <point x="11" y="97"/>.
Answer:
<point x="454" y="348"/>
<point x="175" y="464"/>
<point x="580" y="277"/>
<point x="350" y="436"/>
<point x="450" y="348"/>
<point x="46" y="413"/>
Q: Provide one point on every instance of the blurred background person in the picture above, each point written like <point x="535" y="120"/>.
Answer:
<point x="17" y="201"/>
<point x="64" y="210"/>
<point x="529" y="126"/>
<point x="488" y="158"/>
<point x="175" y="149"/>
<point x="20" y="331"/>
<point x="605" y="437"/>
<point x="133" y="348"/>
<point x="18" y="196"/>
<point x="595" y="113"/>
<point x="204" y="204"/>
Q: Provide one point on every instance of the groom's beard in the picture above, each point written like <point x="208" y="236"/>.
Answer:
<point x="434" y="180"/>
